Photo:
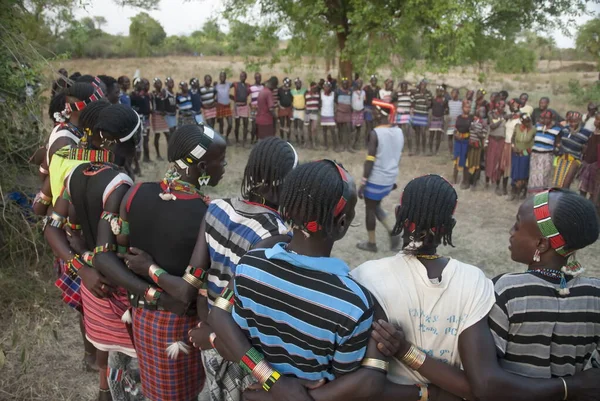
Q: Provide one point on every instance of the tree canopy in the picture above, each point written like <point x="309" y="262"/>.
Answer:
<point x="146" y="33"/>
<point x="370" y="32"/>
<point x="588" y="39"/>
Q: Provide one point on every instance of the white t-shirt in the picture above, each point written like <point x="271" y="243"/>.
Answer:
<point x="327" y="104"/>
<point x="509" y="129"/>
<point x="432" y="315"/>
<point x="358" y="100"/>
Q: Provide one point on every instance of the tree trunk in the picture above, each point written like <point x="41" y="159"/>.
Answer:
<point x="345" y="65"/>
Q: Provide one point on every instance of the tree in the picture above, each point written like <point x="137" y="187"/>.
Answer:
<point x="100" y="21"/>
<point x="448" y="28"/>
<point x="588" y="39"/>
<point x="146" y="33"/>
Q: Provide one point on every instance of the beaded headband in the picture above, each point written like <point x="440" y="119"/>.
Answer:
<point x="196" y="154"/>
<point x="78" y="106"/>
<point x="313" y="226"/>
<point x="573" y="115"/>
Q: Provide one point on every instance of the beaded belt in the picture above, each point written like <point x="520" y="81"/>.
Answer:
<point x="462" y="136"/>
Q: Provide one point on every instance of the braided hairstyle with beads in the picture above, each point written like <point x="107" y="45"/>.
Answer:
<point x="79" y="90"/>
<point x="269" y="163"/>
<point x="310" y="193"/>
<point x="428" y="202"/>
<point x="184" y="140"/>
<point x="90" y="115"/>
<point x="575" y="218"/>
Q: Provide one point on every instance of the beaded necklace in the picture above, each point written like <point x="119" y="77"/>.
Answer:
<point x="429" y="257"/>
<point x="173" y="183"/>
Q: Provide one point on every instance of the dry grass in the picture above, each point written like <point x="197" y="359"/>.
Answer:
<point x="41" y="340"/>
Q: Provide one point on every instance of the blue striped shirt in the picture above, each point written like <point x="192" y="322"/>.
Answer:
<point x="305" y="314"/>
<point x="184" y="102"/>
<point x="572" y="142"/>
<point x="233" y="226"/>
<point x="545" y="138"/>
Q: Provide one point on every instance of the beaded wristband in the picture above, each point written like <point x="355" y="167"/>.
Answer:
<point x="88" y="257"/>
<point x="228" y="295"/>
<point x="43" y="199"/>
<point x="375" y="364"/>
<point x="423" y="392"/>
<point x="124" y="227"/>
<point x="194" y="276"/>
<point x="152" y="295"/>
<point x="370" y="158"/>
<point x="57" y="221"/>
<point x="74" y="265"/>
<point x="250" y="360"/>
<point x="154" y="272"/>
<point x="105" y="248"/>
<point x="121" y="250"/>
<point x="271" y="380"/>
<point x="73" y="226"/>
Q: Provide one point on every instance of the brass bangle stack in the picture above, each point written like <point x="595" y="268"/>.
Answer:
<point x="375" y="364"/>
<point x="224" y="304"/>
<point x="414" y="358"/>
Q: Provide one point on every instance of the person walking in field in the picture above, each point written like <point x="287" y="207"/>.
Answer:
<point x="285" y="111"/>
<point x="241" y="92"/>
<point x="208" y="95"/>
<point x="255" y="89"/>
<point x="313" y="105"/>
<point x="439" y="107"/>
<point x="380" y="170"/>
<point x="420" y="118"/>
<point x="224" y="97"/>
<point x="343" y="114"/>
<point x="404" y="104"/>
<point x="328" y="115"/>
<point x="358" y="112"/>
<point x="299" y="114"/>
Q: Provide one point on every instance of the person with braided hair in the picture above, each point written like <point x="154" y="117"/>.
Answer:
<point x="552" y="299"/>
<point x="380" y="171"/>
<point x="78" y="229"/>
<point x="160" y="221"/>
<point x="574" y="139"/>
<point x="442" y="306"/>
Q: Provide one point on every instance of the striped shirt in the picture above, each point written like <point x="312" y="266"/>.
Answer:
<point x="422" y="102"/>
<point x="545" y="138"/>
<point x="254" y="91"/>
<point x="305" y="314"/>
<point x="404" y="101"/>
<point x="312" y="102"/>
<point x="542" y="334"/>
<point x="233" y="226"/>
<point x="573" y="142"/>
<point x="208" y="96"/>
<point x="184" y="102"/>
<point x="454" y="108"/>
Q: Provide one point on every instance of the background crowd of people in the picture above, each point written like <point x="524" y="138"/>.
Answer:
<point x="181" y="296"/>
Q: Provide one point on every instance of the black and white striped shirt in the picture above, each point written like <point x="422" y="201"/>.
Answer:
<point x="542" y="334"/>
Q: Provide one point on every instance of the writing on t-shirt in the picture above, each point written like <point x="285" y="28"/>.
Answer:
<point x="431" y="323"/>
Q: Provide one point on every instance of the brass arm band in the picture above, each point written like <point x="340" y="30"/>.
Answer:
<point x="414" y="358"/>
<point x="375" y="364"/>
<point x="193" y="281"/>
<point x="370" y="158"/>
<point x="224" y="304"/>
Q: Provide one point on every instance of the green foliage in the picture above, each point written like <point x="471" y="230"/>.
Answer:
<point x="588" y="39"/>
<point x="581" y="96"/>
<point x="515" y="59"/>
<point x="146" y="33"/>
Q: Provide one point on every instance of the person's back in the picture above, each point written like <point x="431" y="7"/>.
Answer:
<point x="390" y="141"/>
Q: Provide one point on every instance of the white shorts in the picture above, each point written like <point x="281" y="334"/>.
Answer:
<point x="299" y="115"/>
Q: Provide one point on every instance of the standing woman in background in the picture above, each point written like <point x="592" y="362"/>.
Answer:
<point x="522" y="143"/>
<point x="140" y="102"/>
<point x="159" y="124"/>
<point x="254" y="91"/>
<point x="461" y="145"/>
<point x="184" y="106"/>
<point x="590" y="172"/>
<point x="371" y="92"/>
<point x="574" y="139"/>
<point x="170" y="105"/>
<point x="404" y="103"/>
<point x="343" y="115"/>
<point x="420" y="118"/>
<point x="455" y="110"/>
<point x="547" y="138"/>
<point x="328" y="114"/>
<point x="223" y="89"/>
<point x="493" y="158"/>
<point x="124" y="85"/>
<point x="196" y="100"/>
<point x="285" y="111"/>
<point x="241" y="91"/>
<point x="386" y="93"/>
<point x="208" y="93"/>
<point x="439" y="107"/>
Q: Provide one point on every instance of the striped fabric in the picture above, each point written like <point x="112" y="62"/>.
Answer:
<point x="422" y="102"/>
<point x="233" y="226"/>
<point x="573" y="142"/>
<point x="305" y="314"/>
<point x="419" y="120"/>
<point x="542" y="334"/>
<point x="254" y="91"/>
<point x="70" y="288"/>
<point x="164" y="378"/>
<point x="103" y="325"/>
<point x="208" y="95"/>
<point x="312" y="101"/>
<point x="404" y="102"/>
<point x="184" y="102"/>
<point x="545" y="138"/>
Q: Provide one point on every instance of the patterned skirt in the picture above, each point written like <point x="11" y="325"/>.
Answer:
<point x="419" y="120"/>
<point x="588" y="177"/>
<point x="540" y="172"/>
<point x="159" y="124"/>
<point x="368" y="113"/>
<point x="209" y="113"/>
<point x="103" y="325"/>
<point x="186" y="119"/>
<point x="164" y="378"/>
<point x="358" y="118"/>
<point x="241" y="110"/>
<point x="474" y="159"/>
<point x="505" y="160"/>
<point x="70" y="288"/>
<point x="226" y="381"/>
<point x="437" y="124"/>
<point x="327" y="121"/>
<point x="461" y="148"/>
<point x="403" y="118"/>
<point x="519" y="170"/>
<point x="171" y="120"/>
<point x="285" y="112"/>
<point x="563" y="166"/>
<point x="223" y="111"/>
<point x="493" y="158"/>
<point x="343" y="116"/>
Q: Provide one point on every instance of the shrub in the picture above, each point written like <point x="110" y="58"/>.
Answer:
<point x="581" y="96"/>
<point x="516" y="59"/>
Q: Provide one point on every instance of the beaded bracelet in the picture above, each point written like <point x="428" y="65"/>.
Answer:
<point x="423" y="392"/>
<point x="121" y="249"/>
<point x="194" y="276"/>
<point x="88" y="257"/>
<point x="255" y="364"/>
<point x="43" y="199"/>
<point x="152" y="295"/>
<point x="124" y="227"/>
<point x="73" y="226"/>
<point x="74" y="265"/>
<point x="229" y="295"/>
<point x="154" y="272"/>
<point x="105" y="248"/>
<point x="57" y="221"/>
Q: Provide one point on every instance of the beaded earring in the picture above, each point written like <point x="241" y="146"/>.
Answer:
<point x="536" y="255"/>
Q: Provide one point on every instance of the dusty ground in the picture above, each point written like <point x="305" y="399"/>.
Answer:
<point x="40" y="346"/>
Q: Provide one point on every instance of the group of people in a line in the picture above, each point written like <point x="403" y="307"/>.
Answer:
<point x="241" y="296"/>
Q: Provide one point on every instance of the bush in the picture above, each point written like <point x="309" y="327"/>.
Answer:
<point x="581" y="96"/>
<point x="516" y="59"/>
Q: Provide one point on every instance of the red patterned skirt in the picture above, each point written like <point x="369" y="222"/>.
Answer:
<point x="70" y="288"/>
<point x="158" y="123"/>
<point x="103" y="325"/>
<point x="209" y="113"/>
<point x="164" y="378"/>
<point x="223" y="110"/>
<point x="493" y="158"/>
